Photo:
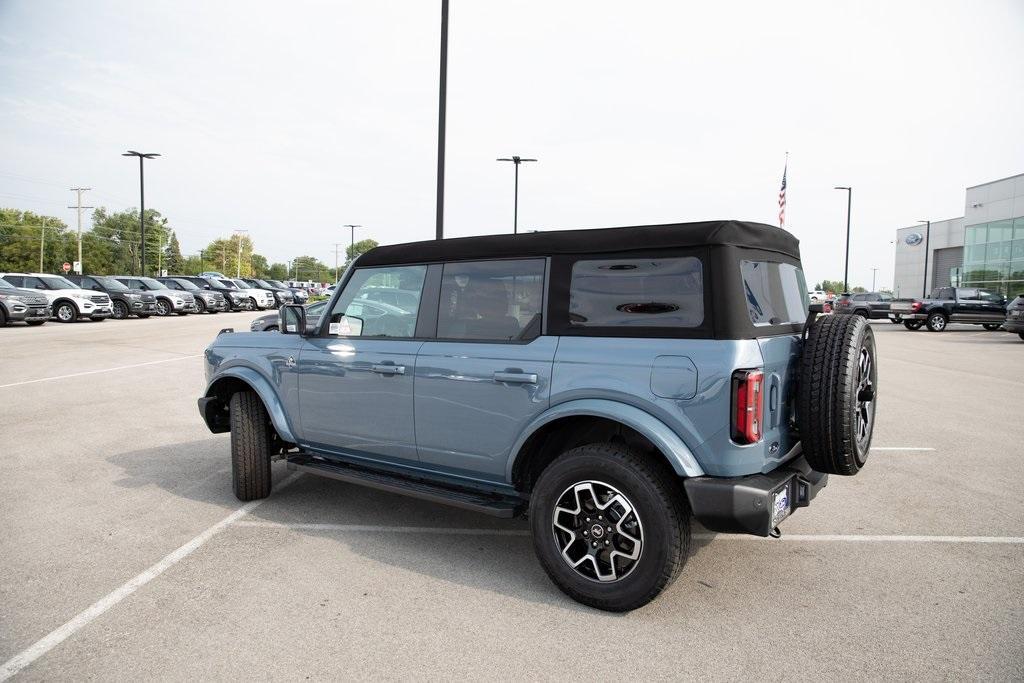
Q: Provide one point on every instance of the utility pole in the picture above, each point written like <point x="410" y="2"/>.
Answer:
<point x="336" y="245"/>
<point x="352" y="239"/>
<point x="79" y="206"/>
<point x="927" y="239"/>
<point x="160" y="255"/>
<point x="42" y="241"/>
<point x="874" y="271"/>
<point x="441" y="103"/>
<point x="239" y="262"/>
<point x="201" y="266"/>
<point x="515" y="210"/>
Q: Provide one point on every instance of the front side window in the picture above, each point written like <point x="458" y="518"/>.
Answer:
<point x="775" y="293"/>
<point x="491" y="300"/>
<point x="356" y="314"/>
<point x="629" y="292"/>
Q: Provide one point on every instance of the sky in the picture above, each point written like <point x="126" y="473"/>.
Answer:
<point x="292" y="119"/>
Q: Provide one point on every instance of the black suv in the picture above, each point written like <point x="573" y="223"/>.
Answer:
<point x="124" y="301"/>
<point x="871" y="305"/>
<point x="235" y="299"/>
<point x="207" y="301"/>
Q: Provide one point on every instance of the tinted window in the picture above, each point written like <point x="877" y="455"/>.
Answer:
<point x="967" y="294"/>
<point x="382" y="319"/>
<point x="992" y="297"/>
<point x="87" y="283"/>
<point x="32" y="282"/>
<point x="491" y="300"/>
<point x="637" y="293"/>
<point x="860" y="297"/>
<point x="775" y="292"/>
<point x="16" y="280"/>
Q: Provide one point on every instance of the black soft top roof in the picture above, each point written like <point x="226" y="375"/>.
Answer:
<point x="653" y="237"/>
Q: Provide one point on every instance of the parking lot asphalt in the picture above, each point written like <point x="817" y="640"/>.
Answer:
<point x="125" y="555"/>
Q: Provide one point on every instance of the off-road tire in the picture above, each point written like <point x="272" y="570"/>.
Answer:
<point x="992" y="327"/>
<point x="913" y="325"/>
<point x="119" y="311"/>
<point x="829" y="397"/>
<point x="654" y="491"/>
<point x="937" y="322"/>
<point x="250" y="446"/>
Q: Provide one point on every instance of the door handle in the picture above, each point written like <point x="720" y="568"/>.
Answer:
<point x="515" y="377"/>
<point x="388" y="369"/>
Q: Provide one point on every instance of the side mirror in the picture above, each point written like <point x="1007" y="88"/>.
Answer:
<point x="40" y="287"/>
<point x="292" y="319"/>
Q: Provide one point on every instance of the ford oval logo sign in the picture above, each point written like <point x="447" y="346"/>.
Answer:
<point x="914" y="239"/>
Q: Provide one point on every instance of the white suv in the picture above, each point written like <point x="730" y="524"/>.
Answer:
<point x="259" y="298"/>
<point x="69" y="301"/>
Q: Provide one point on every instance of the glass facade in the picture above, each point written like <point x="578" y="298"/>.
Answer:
<point x="994" y="256"/>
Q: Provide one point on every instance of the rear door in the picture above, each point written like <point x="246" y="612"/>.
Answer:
<point x="488" y="373"/>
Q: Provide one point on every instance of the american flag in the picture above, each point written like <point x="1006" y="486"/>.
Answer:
<point x="782" y="198"/>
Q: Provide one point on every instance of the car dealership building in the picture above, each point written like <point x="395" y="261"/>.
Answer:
<point x="983" y="248"/>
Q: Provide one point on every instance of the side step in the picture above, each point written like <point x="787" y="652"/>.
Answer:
<point x="489" y="504"/>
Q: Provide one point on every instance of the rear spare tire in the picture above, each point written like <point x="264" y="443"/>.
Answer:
<point x="837" y="395"/>
<point x="250" y="446"/>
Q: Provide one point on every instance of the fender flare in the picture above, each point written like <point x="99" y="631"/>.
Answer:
<point x="66" y="299"/>
<point x="667" y="441"/>
<point x="264" y="390"/>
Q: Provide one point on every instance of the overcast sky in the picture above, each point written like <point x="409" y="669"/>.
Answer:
<point x="291" y="119"/>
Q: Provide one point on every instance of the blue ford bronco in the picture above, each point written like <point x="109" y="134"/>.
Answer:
<point x="612" y="385"/>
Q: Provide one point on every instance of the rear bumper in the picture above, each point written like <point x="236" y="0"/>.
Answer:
<point x="1014" y="325"/>
<point x="754" y="504"/>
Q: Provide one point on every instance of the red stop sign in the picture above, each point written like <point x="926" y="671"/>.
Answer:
<point x="66" y="266"/>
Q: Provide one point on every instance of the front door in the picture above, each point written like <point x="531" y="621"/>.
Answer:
<point x="356" y="378"/>
<point x="488" y="374"/>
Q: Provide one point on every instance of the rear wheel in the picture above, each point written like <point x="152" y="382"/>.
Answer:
<point x="992" y="327"/>
<point x="66" y="312"/>
<point x="895" y="319"/>
<point x="610" y="526"/>
<point x="937" y="322"/>
<point x="838" y="394"/>
<point x="250" y="446"/>
<point x="913" y="324"/>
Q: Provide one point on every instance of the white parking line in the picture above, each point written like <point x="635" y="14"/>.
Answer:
<point x="456" y="531"/>
<point x="900" y="448"/>
<point x="86" y="616"/>
<point x="96" y="372"/>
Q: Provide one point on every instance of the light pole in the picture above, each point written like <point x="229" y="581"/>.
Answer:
<point x="442" y="97"/>
<point x="352" y="228"/>
<point x="846" y="267"/>
<point x="874" y="271"/>
<point x="238" y="263"/>
<point x="336" y="245"/>
<point x="515" y="210"/>
<point x="142" y="199"/>
<point x="927" y="237"/>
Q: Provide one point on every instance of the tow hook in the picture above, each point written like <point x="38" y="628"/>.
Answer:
<point x="775" y="533"/>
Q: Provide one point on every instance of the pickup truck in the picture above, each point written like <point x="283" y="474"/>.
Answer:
<point x="952" y="305"/>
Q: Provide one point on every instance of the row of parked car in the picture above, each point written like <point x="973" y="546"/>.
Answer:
<point x="35" y="298"/>
<point x="969" y="305"/>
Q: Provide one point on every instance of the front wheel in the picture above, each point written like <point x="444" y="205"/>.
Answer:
<point x="912" y="324"/>
<point x="120" y="311"/>
<point x="610" y="526"/>
<point x="163" y="308"/>
<point x="200" y="305"/>
<point x="66" y="312"/>
<point x="937" y="322"/>
<point x="250" y="446"/>
<point x="992" y="327"/>
<point x="252" y="302"/>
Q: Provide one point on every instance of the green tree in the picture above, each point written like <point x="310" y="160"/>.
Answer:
<point x="192" y="265"/>
<point x="278" y="271"/>
<point x="222" y="255"/>
<point x="117" y="242"/>
<point x="173" y="259"/>
<point x="22" y="233"/>
<point x="353" y="251"/>
<point x="310" y="268"/>
<point x="260" y="267"/>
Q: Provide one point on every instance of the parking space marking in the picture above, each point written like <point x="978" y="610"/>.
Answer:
<point x="86" y="616"/>
<point x="96" y="372"/>
<point x="901" y="448"/>
<point x="462" y="531"/>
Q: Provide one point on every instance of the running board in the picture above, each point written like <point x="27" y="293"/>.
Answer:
<point x="489" y="504"/>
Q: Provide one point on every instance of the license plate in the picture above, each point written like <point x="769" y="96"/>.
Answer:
<point x="1017" y="314"/>
<point x="780" y="506"/>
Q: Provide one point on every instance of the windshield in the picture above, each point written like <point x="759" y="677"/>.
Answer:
<point x="110" y="283"/>
<point x="228" y="284"/>
<point x="4" y="284"/>
<point x="185" y="283"/>
<point x="240" y="284"/>
<point x="57" y="282"/>
<point x="264" y="283"/>
<point x="151" y="283"/>
<point x="276" y="283"/>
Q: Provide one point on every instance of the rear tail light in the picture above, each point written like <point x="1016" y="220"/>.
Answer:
<point x="916" y="306"/>
<point x="748" y="405"/>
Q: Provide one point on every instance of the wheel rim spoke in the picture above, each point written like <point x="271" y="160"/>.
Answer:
<point x="597" y="531"/>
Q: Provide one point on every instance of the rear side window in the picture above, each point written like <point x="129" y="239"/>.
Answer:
<point x="775" y="293"/>
<point x="665" y="292"/>
<point x="491" y="300"/>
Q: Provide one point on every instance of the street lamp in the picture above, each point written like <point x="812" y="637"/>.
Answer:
<point x="142" y="199"/>
<point x="515" y="211"/>
<point x="846" y="267"/>
<point x="874" y="272"/>
<point x="238" y="262"/>
<point x="352" y="228"/>
<point x="927" y="237"/>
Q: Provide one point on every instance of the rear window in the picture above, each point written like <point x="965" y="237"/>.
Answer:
<point x="775" y="293"/>
<point x="637" y="293"/>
